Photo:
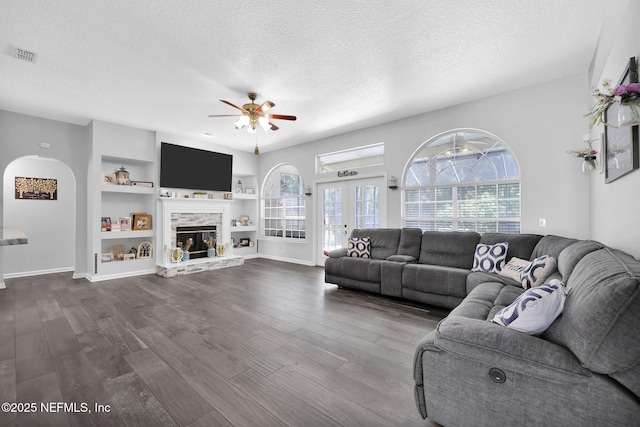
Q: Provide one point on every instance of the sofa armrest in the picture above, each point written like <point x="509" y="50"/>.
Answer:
<point x="490" y="343"/>
<point x="402" y="258"/>
<point x="337" y="253"/>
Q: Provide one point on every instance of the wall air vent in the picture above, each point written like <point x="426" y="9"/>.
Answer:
<point x="25" y="55"/>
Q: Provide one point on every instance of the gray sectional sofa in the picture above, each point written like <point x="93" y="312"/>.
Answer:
<point x="583" y="370"/>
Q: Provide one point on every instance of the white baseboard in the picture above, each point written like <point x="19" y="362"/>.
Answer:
<point x="37" y="272"/>
<point x="283" y="259"/>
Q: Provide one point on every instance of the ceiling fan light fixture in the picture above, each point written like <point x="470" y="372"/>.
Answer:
<point x="241" y="122"/>
<point x="264" y="122"/>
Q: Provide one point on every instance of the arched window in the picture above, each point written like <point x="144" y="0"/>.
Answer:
<point x="465" y="180"/>
<point x="283" y="203"/>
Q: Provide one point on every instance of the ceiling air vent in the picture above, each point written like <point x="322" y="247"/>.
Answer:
<point x="25" y="55"/>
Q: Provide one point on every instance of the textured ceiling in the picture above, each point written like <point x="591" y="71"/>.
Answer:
<point x="337" y="65"/>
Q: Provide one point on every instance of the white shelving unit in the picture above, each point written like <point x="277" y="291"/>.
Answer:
<point x="245" y="205"/>
<point x="134" y="149"/>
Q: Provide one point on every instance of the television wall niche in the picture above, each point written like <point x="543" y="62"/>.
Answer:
<point x="194" y="169"/>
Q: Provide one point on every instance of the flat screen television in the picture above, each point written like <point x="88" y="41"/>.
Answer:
<point x="194" y="169"/>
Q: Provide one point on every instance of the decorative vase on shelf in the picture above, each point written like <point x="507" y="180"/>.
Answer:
<point x="239" y="187"/>
<point x="211" y="252"/>
<point x="589" y="164"/>
<point x="185" y="256"/>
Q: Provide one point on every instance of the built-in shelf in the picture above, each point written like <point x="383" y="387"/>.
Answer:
<point x="245" y="196"/>
<point x="133" y="234"/>
<point x="133" y="189"/>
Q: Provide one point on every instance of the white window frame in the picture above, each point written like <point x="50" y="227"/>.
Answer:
<point x="455" y="219"/>
<point x="286" y="204"/>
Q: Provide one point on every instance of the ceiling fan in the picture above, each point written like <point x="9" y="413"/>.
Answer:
<point x="254" y="115"/>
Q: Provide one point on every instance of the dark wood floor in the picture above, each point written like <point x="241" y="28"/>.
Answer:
<point x="265" y="344"/>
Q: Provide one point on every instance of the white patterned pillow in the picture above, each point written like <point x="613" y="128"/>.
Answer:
<point x="359" y="247"/>
<point x="514" y="268"/>
<point x="490" y="258"/>
<point x="537" y="271"/>
<point x="535" y="310"/>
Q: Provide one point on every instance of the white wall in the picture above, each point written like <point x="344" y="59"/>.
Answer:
<point x="615" y="207"/>
<point x="539" y="123"/>
<point x="20" y="135"/>
<point x="48" y="224"/>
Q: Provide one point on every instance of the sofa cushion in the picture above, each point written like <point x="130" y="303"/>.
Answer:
<point x="551" y="245"/>
<point x="520" y="245"/>
<point x="602" y="312"/>
<point x="384" y="241"/>
<point x="571" y="255"/>
<point x="476" y="278"/>
<point x="359" y="247"/>
<point x="537" y="271"/>
<point x="435" y="279"/>
<point x="363" y="269"/>
<point x="401" y="258"/>
<point x="490" y="258"/>
<point x="450" y="249"/>
<point x="535" y="310"/>
<point x="410" y="239"/>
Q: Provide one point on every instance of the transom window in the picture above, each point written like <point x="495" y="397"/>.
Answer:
<point x="465" y="180"/>
<point x="284" y="203"/>
<point x="353" y="158"/>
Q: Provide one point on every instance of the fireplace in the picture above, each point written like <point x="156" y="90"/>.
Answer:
<point x="201" y="215"/>
<point x="196" y="239"/>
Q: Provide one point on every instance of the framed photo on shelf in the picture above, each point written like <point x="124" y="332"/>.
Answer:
<point x="621" y="154"/>
<point x="145" y="250"/>
<point x="125" y="223"/>
<point x="108" y="257"/>
<point x="140" y="221"/>
<point x="245" y="241"/>
<point x="108" y="178"/>
<point x="129" y="257"/>
<point x="115" y="250"/>
<point x="105" y="223"/>
<point x="249" y="191"/>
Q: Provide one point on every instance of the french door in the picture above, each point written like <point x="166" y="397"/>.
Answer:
<point x="345" y="205"/>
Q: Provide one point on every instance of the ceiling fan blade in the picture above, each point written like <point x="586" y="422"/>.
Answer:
<point x="273" y="127"/>
<point x="266" y="105"/>
<point x="281" y="117"/>
<point x="225" y="115"/>
<point x="234" y="106"/>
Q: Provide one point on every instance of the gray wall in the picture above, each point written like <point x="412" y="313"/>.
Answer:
<point x="615" y="207"/>
<point x="539" y="123"/>
<point x="49" y="224"/>
<point x="20" y="135"/>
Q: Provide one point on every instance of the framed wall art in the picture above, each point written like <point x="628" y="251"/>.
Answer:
<point x="36" y="188"/>
<point x="621" y="143"/>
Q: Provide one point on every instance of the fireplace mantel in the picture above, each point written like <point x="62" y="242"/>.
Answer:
<point x="168" y="206"/>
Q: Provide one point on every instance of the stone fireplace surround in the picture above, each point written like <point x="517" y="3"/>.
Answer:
<point x="176" y="212"/>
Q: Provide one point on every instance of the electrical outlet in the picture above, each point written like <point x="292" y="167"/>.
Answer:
<point x="542" y="222"/>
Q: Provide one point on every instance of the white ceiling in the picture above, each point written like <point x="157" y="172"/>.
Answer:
<point x="337" y="65"/>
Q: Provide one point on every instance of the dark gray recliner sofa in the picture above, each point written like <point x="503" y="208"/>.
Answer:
<point x="582" y="371"/>
<point x="433" y="267"/>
